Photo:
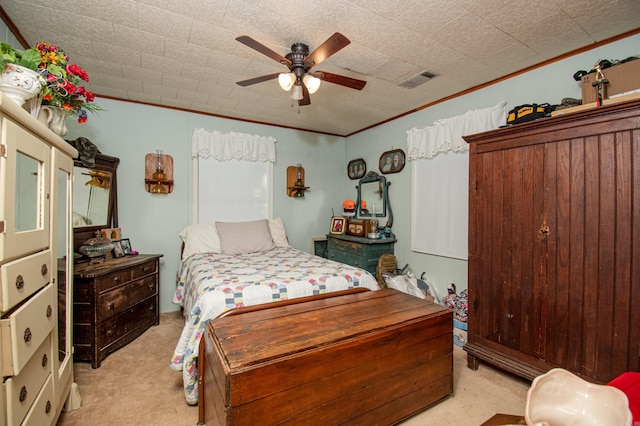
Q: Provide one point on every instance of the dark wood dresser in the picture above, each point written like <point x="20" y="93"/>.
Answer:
<point x="113" y="303"/>
<point x="554" y="244"/>
<point x="358" y="251"/>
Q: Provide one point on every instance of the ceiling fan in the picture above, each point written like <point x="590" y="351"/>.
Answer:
<point x="300" y="79"/>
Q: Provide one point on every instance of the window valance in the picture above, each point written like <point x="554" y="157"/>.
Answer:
<point x="446" y="135"/>
<point x="233" y="146"/>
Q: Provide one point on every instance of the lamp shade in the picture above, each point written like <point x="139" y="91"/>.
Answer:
<point x="286" y="80"/>
<point x="312" y="83"/>
<point x="296" y="94"/>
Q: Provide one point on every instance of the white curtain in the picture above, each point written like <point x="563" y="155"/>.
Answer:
<point x="233" y="175"/>
<point x="236" y="146"/>
<point x="440" y="195"/>
<point x="446" y="135"/>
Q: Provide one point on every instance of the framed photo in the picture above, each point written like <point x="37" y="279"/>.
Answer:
<point x="356" y="169"/>
<point x="126" y="245"/>
<point x="391" y="161"/>
<point x="117" y="249"/>
<point x="338" y="223"/>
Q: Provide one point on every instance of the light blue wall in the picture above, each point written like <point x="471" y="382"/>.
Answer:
<point x="130" y="131"/>
<point x="548" y="84"/>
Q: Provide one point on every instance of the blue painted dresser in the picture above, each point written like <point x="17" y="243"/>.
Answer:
<point x="358" y="251"/>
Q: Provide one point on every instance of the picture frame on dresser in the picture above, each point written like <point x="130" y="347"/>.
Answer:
<point x="125" y="243"/>
<point x="338" y="225"/>
<point x="118" y="251"/>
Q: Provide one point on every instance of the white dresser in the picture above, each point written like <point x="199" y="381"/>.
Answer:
<point x="36" y="261"/>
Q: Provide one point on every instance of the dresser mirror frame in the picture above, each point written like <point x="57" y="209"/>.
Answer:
<point x="374" y="189"/>
<point x="105" y="164"/>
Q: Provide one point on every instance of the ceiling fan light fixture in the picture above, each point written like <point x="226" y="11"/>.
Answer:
<point x="286" y="80"/>
<point x="312" y="83"/>
<point x="296" y="94"/>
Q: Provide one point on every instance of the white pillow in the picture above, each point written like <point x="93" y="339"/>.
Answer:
<point x="278" y="233"/>
<point x="245" y="237"/>
<point x="200" y="239"/>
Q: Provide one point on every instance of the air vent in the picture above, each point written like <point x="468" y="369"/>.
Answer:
<point x="417" y="80"/>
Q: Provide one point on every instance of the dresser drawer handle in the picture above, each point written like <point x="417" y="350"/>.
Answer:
<point x="116" y="279"/>
<point x="44" y="270"/>
<point x="47" y="408"/>
<point x="111" y="305"/>
<point x="19" y="282"/>
<point x="23" y="394"/>
<point x="27" y="335"/>
<point x="146" y="270"/>
<point x="45" y="360"/>
<point x="49" y="311"/>
<point x="110" y="332"/>
<point x="152" y="286"/>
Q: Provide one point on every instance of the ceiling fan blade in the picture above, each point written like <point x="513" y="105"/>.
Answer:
<point x="306" y="99"/>
<point x="340" y="79"/>
<point x="334" y="43"/>
<point x="260" y="79"/>
<point x="256" y="45"/>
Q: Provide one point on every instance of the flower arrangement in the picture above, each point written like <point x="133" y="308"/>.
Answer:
<point x="63" y="88"/>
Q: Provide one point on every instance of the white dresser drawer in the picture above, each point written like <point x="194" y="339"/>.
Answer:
<point x="23" y="277"/>
<point x="21" y="390"/>
<point x="24" y="330"/>
<point x="43" y="412"/>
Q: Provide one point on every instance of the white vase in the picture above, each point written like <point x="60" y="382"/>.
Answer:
<point x="20" y="83"/>
<point x="54" y="118"/>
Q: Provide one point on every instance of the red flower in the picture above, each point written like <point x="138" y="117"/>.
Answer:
<point x="69" y="87"/>
<point x="89" y="96"/>
<point x="82" y="119"/>
<point x="77" y="70"/>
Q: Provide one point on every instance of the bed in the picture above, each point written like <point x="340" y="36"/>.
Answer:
<point x="227" y="265"/>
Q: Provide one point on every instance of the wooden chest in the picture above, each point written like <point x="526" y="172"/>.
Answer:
<point x="113" y="303"/>
<point x="368" y="358"/>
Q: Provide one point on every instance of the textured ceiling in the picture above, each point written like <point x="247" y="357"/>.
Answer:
<point x="183" y="53"/>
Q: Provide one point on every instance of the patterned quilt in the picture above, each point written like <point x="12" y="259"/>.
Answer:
<point x="209" y="284"/>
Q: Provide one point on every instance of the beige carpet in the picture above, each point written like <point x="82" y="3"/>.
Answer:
<point x="134" y="386"/>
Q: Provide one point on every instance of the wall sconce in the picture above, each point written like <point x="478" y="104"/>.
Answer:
<point x="158" y="176"/>
<point x="295" y="181"/>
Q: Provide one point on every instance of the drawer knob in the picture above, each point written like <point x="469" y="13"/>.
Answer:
<point x="111" y="305"/>
<point x="49" y="311"/>
<point x="44" y="270"/>
<point x="47" y="408"/>
<point x="23" y="394"/>
<point x="27" y="335"/>
<point x="151" y="286"/>
<point x="116" y="279"/>
<point x="146" y="270"/>
<point x="45" y="360"/>
<point x="110" y="332"/>
<point x="19" y="282"/>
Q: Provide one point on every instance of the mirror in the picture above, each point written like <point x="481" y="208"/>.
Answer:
<point x="62" y="244"/>
<point x="95" y="198"/>
<point x="373" y="194"/>
<point x="28" y="172"/>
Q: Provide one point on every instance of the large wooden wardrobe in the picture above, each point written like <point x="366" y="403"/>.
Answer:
<point x="554" y="244"/>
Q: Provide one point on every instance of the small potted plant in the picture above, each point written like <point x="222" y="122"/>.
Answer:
<point x="20" y="79"/>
